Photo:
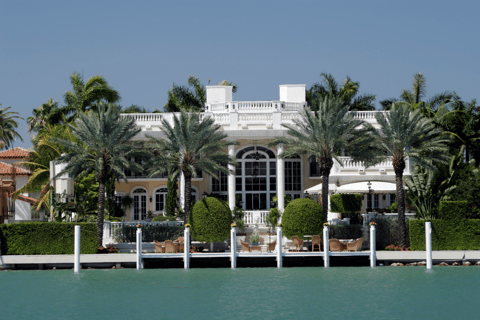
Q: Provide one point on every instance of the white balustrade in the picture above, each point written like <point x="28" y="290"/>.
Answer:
<point x="255" y="117"/>
<point x="256" y="217"/>
<point x="144" y="117"/>
<point x="261" y="106"/>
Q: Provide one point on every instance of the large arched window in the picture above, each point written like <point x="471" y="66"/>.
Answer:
<point x="160" y="198"/>
<point x="139" y="204"/>
<point x="256" y="177"/>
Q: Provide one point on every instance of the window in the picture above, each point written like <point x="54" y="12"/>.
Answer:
<point x="314" y="167"/>
<point x="373" y="201"/>
<point x="220" y="184"/>
<point x="160" y="198"/>
<point x="139" y="204"/>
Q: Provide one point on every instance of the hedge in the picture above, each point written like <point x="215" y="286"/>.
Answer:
<point x="452" y="210"/>
<point x="387" y="232"/>
<point x="346" y="231"/>
<point x="461" y="234"/>
<point x="345" y="203"/>
<point x="39" y="238"/>
<point x="302" y="217"/>
<point x="149" y="233"/>
<point x="210" y="220"/>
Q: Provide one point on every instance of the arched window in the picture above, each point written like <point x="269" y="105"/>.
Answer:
<point x="160" y="198"/>
<point x="139" y="204"/>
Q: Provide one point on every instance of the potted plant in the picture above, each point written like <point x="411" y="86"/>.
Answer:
<point x="254" y="239"/>
<point x="149" y="216"/>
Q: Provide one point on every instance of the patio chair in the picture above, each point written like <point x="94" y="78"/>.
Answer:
<point x="355" y="245"/>
<point x="317" y="241"/>
<point x="171" y="247"/>
<point x="245" y="246"/>
<point x="159" y="246"/>
<point x="298" y="243"/>
<point x="336" y="245"/>
<point x="180" y="240"/>
<point x="272" y="245"/>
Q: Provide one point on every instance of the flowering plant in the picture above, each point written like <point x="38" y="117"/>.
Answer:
<point x="280" y="224"/>
<point x="233" y="225"/>
<point x="325" y="224"/>
<point x="139" y="225"/>
<point x="373" y="223"/>
<point x="187" y="225"/>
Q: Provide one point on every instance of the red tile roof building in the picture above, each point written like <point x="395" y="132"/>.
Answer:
<point x="15" y="153"/>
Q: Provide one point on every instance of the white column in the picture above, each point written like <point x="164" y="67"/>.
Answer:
<point x="233" y="248"/>
<point x="76" y="255"/>
<point x="279" y="247"/>
<point x="428" y="244"/>
<point x="280" y="179"/>
<point x="326" y="243"/>
<point x="231" y="179"/>
<point x="186" y="248"/>
<point x="182" y="191"/>
<point x="139" y="249"/>
<point x="373" y="248"/>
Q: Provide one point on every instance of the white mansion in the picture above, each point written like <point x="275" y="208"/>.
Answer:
<point x="261" y="174"/>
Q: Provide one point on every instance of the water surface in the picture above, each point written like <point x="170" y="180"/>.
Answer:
<point x="249" y="293"/>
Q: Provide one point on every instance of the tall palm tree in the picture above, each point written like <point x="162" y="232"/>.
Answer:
<point x="416" y="97"/>
<point x="326" y="134"/>
<point x="191" y="98"/>
<point x="101" y="147"/>
<point x="408" y="134"/>
<point x="8" y="126"/>
<point x="48" y="113"/>
<point x="348" y="92"/>
<point x="189" y="145"/>
<point x="86" y="93"/>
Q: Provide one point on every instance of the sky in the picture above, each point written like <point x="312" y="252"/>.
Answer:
<point x="142" y="47"/>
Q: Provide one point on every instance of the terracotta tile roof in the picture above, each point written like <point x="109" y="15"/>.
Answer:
<point x="27" y="199"/>
<point x="14" y="153"/>
<point x="6" y="169"/>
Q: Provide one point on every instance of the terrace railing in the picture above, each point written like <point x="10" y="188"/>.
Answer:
<point x="255" y="217"/>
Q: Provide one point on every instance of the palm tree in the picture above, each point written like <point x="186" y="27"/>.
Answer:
<point x="408" y="134"/>
<point x="8" y="126"/>
<point x="47" y="113"/>
<point x="191" y="98"/>
<point x="85" y="94"/>
<point x="189" y="145"/>
<point x="415" y="97"/>
<point x="101" y="147"/>
<point x="326" y="134"/>
<point x="348" y="92"/>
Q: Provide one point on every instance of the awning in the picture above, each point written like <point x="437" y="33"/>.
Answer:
<point x="358" y="187"/>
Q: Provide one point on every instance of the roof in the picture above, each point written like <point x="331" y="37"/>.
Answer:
<point x="14" y="153"/>
<point x="27" y="199"/>
<point x="7" y="169"/>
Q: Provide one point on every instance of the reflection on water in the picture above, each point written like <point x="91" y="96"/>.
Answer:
<point x="263" y="293"/>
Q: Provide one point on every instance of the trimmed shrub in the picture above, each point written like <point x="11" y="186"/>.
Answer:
<point x="303" y="217"/>
<point x="345" y="203"/>
<point x="39" y="238"/>
<point x="387" y="232"/>
<point x="149" y="233"/>
<point x="210" y="220"/>
<point x="452" y="210"/>
<point x="347" y="231"/>
<point x="461" y="234"/>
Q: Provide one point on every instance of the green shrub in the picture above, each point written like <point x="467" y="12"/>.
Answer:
<point x="393" y="207"/>
<point x="347" y="231"/>
<point x="452" y="210"/>
<point x="303" y="217"/>
<point x="461" y="234"/>
<point x="39" y="238"/>
<point x="160" y="218"/>
<point x="149" y="233"/>
<point x="387" y="233"/>
<point x="345" y="203"/>
<point x="211" y="220"/>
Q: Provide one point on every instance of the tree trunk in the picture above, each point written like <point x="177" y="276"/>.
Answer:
<point x="101" y="206"/>
<point x="326" y="165"/>
<point x="402" y="229"/>
<point x="188" y="196"/>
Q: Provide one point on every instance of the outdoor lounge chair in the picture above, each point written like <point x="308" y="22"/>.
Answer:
<point x="171" y="247"/>
<point x="271" y="245"/>
<point x="355" y="245"/>
<point x="317" y="241"/>
<point x="336" y="245"/>
<point x="245" y="246"/>
<point x="298" y="243"/>
<point x="159" y="246"/>
<point x="180" y="240"/>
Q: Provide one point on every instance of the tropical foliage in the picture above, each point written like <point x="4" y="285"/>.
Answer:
<point x="8" y="127"/>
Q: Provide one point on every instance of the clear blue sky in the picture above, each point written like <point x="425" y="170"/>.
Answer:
<point x="142" y="47"/>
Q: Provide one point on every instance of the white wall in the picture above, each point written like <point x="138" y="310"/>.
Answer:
<point x="219" y="94"/>
<point x="292" y="92"/>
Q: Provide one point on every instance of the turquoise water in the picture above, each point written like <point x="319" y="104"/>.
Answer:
<point x="250" y="293"/>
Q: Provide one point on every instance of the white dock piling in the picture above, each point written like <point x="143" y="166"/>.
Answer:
<point x="76" y="249"/>
<point x="373" y="247"/>
<point x="428" y="244"/>
<point x="326" y="243"/>
<point x="139" y="249"/>
<point x="186" y="248"/>
<point x="279" y="247"/>
<point x="233" y="248"/>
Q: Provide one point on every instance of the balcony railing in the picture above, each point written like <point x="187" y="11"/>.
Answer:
<point x="255" y="217"/>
